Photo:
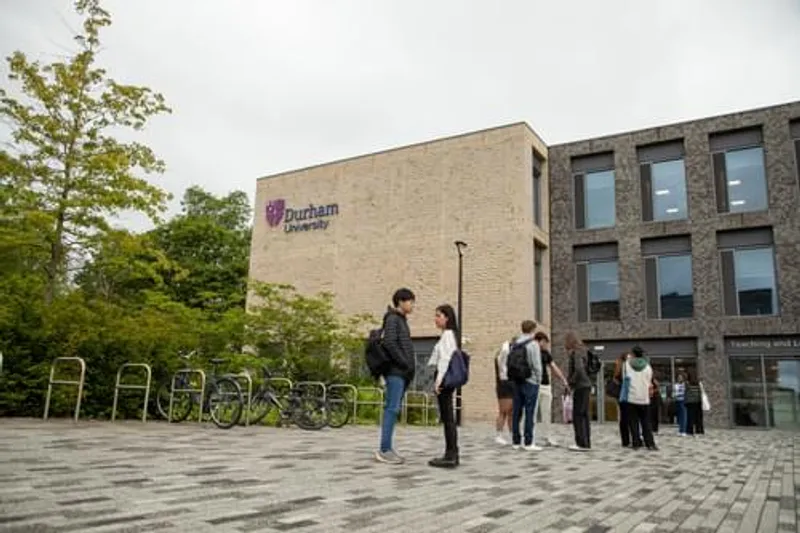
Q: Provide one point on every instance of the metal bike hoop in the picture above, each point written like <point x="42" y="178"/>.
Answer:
<point x="245" y="375"/>
<point x="201" y="390"/>
<point x="353" y="389"/>
<point x="372" y="390"/>
<point x="287" y="381"/>
<point x="79" y="384"/>
<point x="312" y="384"/>
<point x="148" y="375"/>
<point x="424" y="405"/>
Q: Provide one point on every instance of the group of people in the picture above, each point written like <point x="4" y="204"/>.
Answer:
<point x="524" y="374"/>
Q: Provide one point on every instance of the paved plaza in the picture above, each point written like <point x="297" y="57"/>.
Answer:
<point x="129" y="477"/>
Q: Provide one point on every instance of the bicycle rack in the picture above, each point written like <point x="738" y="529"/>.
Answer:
<point x="353" y="389"/>
<point x="52" y="382"/>
<point x="423" y="405"/>
<point x="245" y="375"/>
<point x="201" y="390"/>
<point x="148" y="373"/>
<point x="287" y="381"/>
<point x="373" y="390"/>
<point x="312" y="384"/>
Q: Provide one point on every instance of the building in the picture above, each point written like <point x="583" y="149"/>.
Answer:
<point x="681" y="239"/>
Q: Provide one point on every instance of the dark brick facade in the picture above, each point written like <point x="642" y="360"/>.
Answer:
<point x="708" y="326"/>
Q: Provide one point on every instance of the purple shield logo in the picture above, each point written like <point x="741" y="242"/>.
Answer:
<point x="275" y="211"/>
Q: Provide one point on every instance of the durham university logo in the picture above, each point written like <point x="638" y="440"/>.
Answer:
<point x="307" y="218"/>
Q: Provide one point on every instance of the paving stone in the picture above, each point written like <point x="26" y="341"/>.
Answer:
<point x="130" y="477"/>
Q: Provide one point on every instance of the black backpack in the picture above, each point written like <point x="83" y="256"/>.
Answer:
<point x="375" y="353"/>
<point x="517" y="365"/>
<point x="593" y="364"/>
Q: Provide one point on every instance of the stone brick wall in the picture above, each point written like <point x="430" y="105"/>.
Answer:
<point x="399" y="213"/>
<point x="709" y="324"/>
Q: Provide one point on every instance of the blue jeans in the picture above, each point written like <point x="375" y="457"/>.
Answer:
<point x="393" y="396"/>
<point x="680" y="413"/>
<point x="525" y="396"/>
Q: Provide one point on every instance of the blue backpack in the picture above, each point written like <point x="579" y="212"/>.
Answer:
<point x="457" y="374"/>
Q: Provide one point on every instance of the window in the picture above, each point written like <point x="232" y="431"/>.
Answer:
<point x="748" y="272"/>
<point x="663" y="181"/>
<point x="538" y="274"/>
<point x="765" y="391"/>
<point x="598" y="282"/>
<point x="537" y="189"/>
<point x="668" y="277"/>
<point x="594" y="191"/>
<point x="794" y="128"/>
<point x="739" y="176"/>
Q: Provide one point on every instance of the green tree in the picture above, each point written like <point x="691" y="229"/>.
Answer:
<point x="66" y="172"/>
<point x="210" y="239"/>
<point x="305" y="333"/>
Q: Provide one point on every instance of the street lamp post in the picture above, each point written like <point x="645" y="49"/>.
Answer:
<point x="460" y="246"/>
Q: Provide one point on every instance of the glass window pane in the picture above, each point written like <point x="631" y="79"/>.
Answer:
<point x="669" y="190"/>
<point x="675" y="286"/>
<point x="599" y="199"/>
<point x="747" y="184"/>
<point x="783" y="392"/>
<point x="539" y="283"/>
<point x="603" y="291"/>
<point x="755" y="281"/>
<point x="747" y="392"/>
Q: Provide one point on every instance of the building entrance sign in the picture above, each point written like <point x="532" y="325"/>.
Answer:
<point x="775" y="345"/>
<point x="300" y="218"/>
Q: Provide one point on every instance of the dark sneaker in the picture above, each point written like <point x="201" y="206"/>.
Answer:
<point x="388" y="457"/>
<point x="443" y="462"/>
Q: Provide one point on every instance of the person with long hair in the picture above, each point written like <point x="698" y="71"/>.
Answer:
<point x="504" y="389"/>
<point x="581" y="385"/>
<point x="445" y="319"/>
<point x="621" y="377"/>
<point x="694" y="405"/>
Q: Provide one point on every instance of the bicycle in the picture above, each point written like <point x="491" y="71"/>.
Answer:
<point x="221" y="394"/>
<point x="340" y="406"/>
<point x="306" y="412"/>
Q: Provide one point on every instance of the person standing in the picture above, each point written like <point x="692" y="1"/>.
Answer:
<point x="445" y="320"/>
<point x="640" y="374"/>
<point x="581" y="385"/>
<point x="545" y="403"/>
<point x="400" y="349"/>
<point x="621" y="377"/>
<point x="694" y="406"/>
<point x="679" y="394"/>
<point x="524" y="365"/>
<point x="505" y="393"/>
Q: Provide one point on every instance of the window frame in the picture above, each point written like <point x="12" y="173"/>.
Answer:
<point x="725" y="303"/>
<point x="585" y="265"/>
<point x="538" y="282"/>
<point x="727" y="142"/>
<point x="582" y="167"/>
<point x="536" y="175"/>
<point x="656" y="260"/>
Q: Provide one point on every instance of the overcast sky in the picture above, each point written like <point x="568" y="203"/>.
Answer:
<point x="262" y="86"/>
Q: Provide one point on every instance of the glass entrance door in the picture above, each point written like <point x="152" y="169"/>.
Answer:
<point x="603" y="407"/>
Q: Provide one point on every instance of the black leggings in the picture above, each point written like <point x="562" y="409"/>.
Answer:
<point x="694" y="414"/>
<point x="447" y="415"/>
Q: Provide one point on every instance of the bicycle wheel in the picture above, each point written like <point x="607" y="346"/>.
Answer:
<point x="261" y="406"/>
<point x="182" y="402"/>
<point x="310" y="414"/>
<point x="225" y="402"/>
<point x="340" y="409"/>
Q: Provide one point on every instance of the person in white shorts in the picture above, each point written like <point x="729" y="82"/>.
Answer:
<point x="545" y="402"/>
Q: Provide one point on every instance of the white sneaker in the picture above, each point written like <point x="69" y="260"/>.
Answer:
<point x="515" y="446"/>
<point x="532" y="448"/>
<point x="500" y="440"/>
<point x="552" y="442"/>
<point x="576" y="448"/>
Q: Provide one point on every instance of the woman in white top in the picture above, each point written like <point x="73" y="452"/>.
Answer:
<point x="505" y="393"/>
<point x="440" y="358"/>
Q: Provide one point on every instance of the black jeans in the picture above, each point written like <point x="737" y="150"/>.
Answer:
<point x="640" y="418"/>
<point x="447" y="414"/>
<point x="655" y="412"/>
<point x="580" y="417"/>
<point x="624" y="423"/>
<point x="694" y="417"/>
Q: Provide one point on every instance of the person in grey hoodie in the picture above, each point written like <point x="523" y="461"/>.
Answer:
<point x="526" y="393"/>
<point x="581" y="385"/>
